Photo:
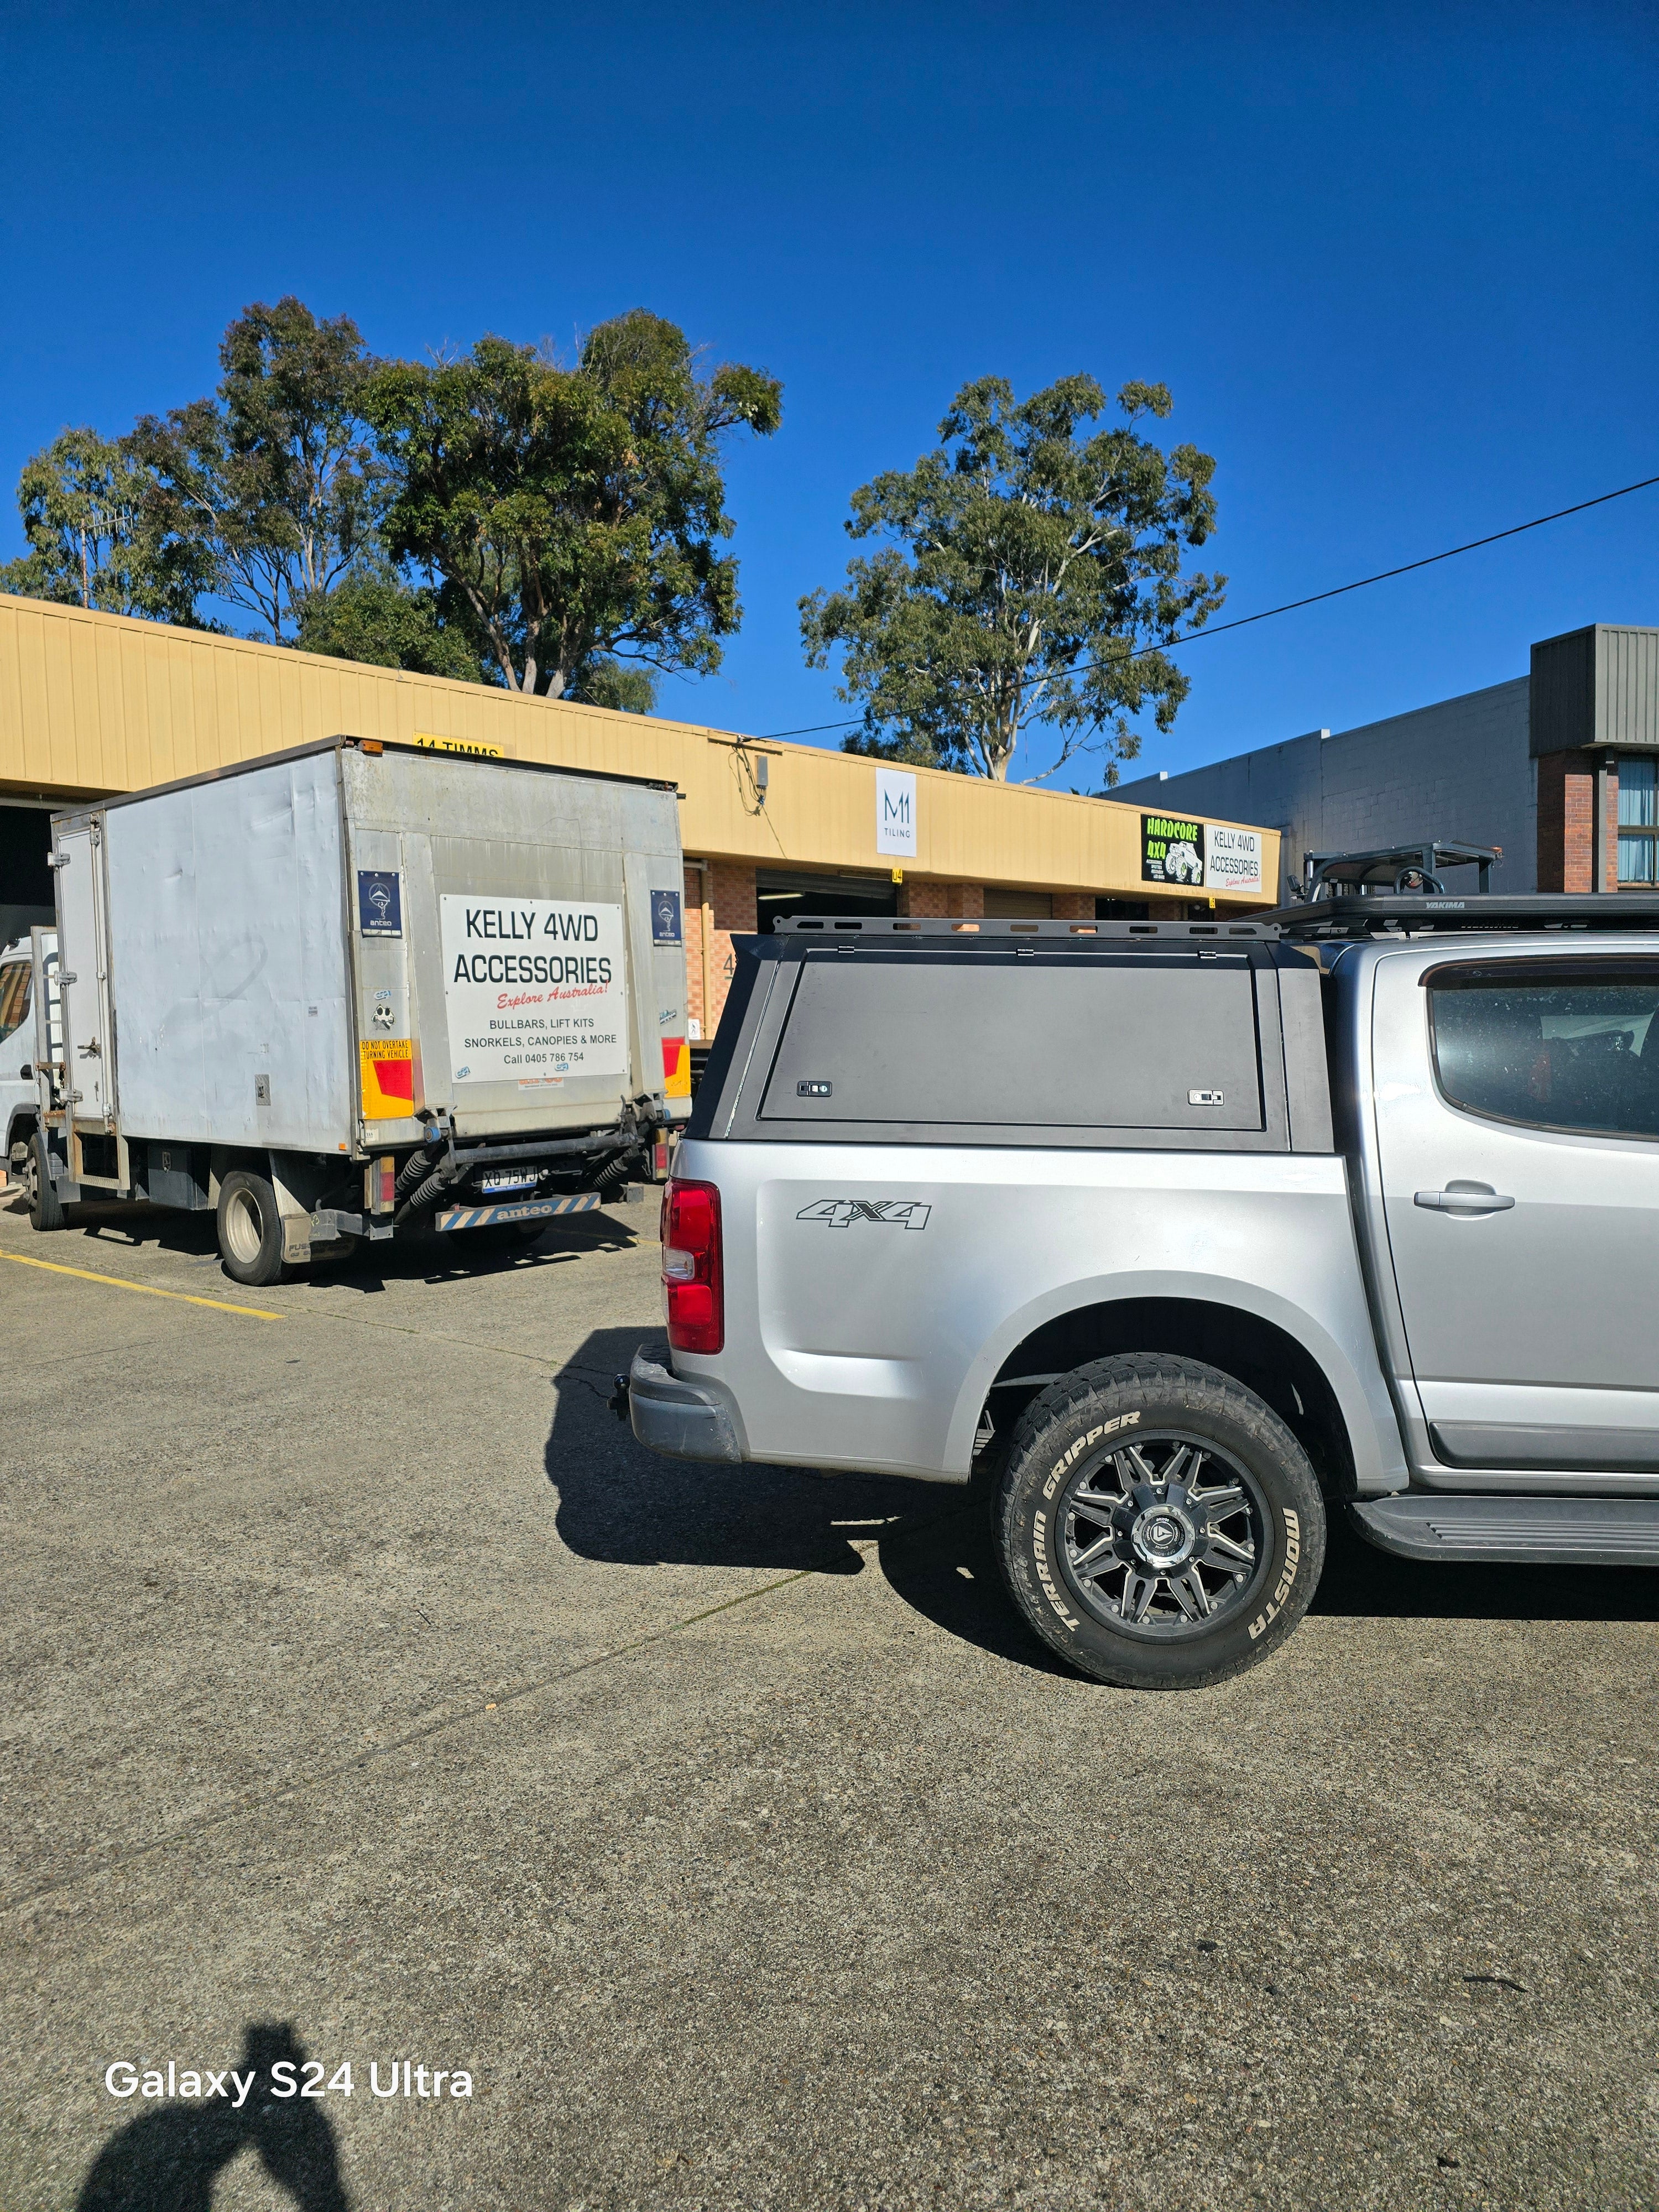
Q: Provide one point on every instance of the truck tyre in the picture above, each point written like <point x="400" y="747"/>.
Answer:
<point x="250" y="1229"/>
<point x="1158" y="1525"/>
<point x="45" y="1207"/>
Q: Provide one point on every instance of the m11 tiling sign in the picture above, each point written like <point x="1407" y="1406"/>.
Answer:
<point x="896" y="812"/>
<point x="535" y="990"/>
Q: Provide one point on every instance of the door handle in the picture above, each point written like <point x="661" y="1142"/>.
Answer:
<point x="1463" y="1201"/>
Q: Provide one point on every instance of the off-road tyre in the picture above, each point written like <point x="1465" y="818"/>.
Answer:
<point x="250" y="1226"/>
<point x="1059" y="1543"/>
<point x="45" y="1207"/>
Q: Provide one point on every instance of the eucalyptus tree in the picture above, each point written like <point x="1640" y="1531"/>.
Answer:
<point x="271" y="486"/>
<point x="575" y="513"/>
<point x="92" y="537"/>
<point x="1033" y="578"/>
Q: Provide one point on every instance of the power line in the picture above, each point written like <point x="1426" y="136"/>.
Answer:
<point x="1337" y="590"/>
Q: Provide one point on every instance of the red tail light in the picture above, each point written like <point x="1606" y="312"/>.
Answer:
<point x="692" y="1267"/>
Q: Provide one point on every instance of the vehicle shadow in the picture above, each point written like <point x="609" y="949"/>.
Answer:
<point x="168" y="2158"/>
<point x="619" y="1503"/>
<point x="423" y="1256"/>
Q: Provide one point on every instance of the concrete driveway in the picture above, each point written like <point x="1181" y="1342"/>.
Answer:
<point x="371" y="1698"/>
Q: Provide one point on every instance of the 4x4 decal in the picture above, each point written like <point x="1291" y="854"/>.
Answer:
<point x="841" y="1212"/>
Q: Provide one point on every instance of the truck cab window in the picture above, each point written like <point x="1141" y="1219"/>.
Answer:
<point x="1576" y="1051"/>
<point x="14" y="981"/>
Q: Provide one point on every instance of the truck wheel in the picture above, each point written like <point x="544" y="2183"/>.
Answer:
<point x="45" y="1207"/>
<point x="1158" y="1524"/>
<point x="250" y="1229"/>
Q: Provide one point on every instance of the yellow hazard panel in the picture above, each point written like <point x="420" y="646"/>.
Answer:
<point x="676" y="1068"/>
<point x="388" y="1071"/>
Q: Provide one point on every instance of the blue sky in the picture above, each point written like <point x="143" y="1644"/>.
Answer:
<point x="1398" y="266"/>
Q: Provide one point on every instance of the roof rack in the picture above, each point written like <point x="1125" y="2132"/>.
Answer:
<point x="1412" y="868"/>
<point x="885" y="925"/>
<point x="1394" y="914"/>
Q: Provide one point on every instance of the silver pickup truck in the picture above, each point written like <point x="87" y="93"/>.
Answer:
<point x="1184" y="1235"/>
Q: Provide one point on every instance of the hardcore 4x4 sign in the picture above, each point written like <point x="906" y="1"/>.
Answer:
<point x="1171" y="850"/>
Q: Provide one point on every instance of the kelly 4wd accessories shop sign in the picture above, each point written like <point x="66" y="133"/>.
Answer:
<point x="1189" y="855"/>
<point x="535" y="990"/>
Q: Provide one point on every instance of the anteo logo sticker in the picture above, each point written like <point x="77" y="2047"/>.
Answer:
<point x="842" y="1213"/>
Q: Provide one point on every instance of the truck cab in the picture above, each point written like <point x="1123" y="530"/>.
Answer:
<point x="19" y="1111"/>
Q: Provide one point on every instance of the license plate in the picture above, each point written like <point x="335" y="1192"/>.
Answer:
<point x="492" y="1185"/>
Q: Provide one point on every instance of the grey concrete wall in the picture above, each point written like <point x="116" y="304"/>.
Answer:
<point x="1459" y="769"/>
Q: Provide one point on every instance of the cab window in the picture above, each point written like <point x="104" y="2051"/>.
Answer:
<point x="14" y="981"/>
<point x="1560" y="1045"/>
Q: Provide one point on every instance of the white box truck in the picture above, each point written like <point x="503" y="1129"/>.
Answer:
<point x="357" y="987"/>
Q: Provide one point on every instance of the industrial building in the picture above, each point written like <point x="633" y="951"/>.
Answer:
<point x="1556" y="767"/>
<point x="92" y="705"/>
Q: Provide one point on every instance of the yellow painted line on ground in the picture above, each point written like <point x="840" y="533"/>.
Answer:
<point x="219" y="1305"/>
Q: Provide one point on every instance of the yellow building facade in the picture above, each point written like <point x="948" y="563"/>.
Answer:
<point x="94" y="704"/>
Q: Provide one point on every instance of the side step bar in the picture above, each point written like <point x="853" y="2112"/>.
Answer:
<point x="1613" y="1532"/>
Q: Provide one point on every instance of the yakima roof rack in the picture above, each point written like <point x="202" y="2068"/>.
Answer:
<point x="1415" y="913"/>
<point x="885" y="925"/>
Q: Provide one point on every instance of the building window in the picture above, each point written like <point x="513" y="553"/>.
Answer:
<point x="1638" y="822"/>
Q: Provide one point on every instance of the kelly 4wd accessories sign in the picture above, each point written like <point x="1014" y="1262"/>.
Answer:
<point x="1171" y="851"/>
<point x="535" y="990"/>
<point x="1233" y="861"/>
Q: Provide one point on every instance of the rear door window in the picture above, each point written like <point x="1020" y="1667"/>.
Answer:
<point x="1559" y="1045"/>
<point x="1139" y="1043"/>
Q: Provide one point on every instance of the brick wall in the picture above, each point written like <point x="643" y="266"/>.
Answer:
<point x="1074" y="906"/>
<point x="697" y="923"/>
<point x="732" y="912"/>
<point x="1566" y="824"/>
<point x="942" y="902"/>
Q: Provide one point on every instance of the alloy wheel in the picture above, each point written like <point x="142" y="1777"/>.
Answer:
<point x="1164" y="1537"/>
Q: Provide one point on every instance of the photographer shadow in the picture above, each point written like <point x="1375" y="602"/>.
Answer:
<point x="169" y="2160"/>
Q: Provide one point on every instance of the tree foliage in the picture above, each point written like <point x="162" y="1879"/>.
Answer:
<point x="497" y="517"/>
<point x="92" y="537"/>
<point x="1035" y="575"/>
<point x="574" y="515"/>
<point x="272" y="485"/>
<point x="376" y="618"/>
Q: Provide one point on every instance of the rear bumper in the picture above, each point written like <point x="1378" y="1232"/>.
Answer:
<point x="681" y="1419"/>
